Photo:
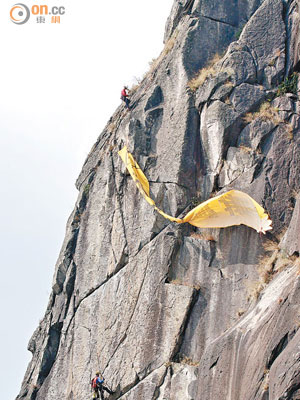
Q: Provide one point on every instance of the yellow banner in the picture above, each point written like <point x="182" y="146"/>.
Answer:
<point x="231" y="208"/>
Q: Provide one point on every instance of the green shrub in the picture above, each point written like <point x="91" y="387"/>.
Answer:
<point x="289" y="85"/>
<point x="86" y="190"/>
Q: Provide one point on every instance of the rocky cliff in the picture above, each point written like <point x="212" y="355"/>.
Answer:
<point x="169" y="311"/>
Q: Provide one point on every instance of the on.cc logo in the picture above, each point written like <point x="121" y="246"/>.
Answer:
<point x="19" y="14"/>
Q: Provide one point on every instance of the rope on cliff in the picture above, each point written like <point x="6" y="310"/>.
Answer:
<point x="228" y="209"/>
<point x="100" y="371"/>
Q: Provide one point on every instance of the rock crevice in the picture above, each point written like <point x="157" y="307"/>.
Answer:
<point x="170" y="311"/>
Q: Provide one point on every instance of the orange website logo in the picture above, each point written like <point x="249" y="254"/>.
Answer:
<point x="20" y="13"/>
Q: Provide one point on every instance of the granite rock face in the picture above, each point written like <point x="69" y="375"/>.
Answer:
<point x="169" y="311"/>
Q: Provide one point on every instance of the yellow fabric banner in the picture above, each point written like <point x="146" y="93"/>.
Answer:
<point x="231" y="208"/>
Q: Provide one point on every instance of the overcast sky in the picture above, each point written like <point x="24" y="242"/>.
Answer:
<point x="60" y="83"/>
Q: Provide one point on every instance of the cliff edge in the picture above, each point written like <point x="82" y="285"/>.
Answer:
<point x="169" y="311"/>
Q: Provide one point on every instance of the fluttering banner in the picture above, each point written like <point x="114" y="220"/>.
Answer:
<point x="231" y="208"/>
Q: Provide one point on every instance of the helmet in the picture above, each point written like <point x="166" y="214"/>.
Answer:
<point x="97" y="373"/>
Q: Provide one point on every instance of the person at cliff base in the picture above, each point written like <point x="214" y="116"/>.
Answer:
<point x="124" y="97"/>
<point x="98" y="388"/>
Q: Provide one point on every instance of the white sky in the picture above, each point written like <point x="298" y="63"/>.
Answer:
<point x="59" y="85"/>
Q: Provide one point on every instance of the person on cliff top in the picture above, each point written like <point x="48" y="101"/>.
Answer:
<point x="98" y="388"/>
<point x="124" y="97"/>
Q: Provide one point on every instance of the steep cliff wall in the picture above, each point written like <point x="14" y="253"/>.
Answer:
<point x="174" y="312"/>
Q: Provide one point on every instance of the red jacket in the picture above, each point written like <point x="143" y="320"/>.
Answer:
<point x="123" y="93"/>
<point x="96" y="382"/>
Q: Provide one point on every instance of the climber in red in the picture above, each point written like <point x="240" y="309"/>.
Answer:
<point x="98" y="388"/>
<point x="124" y="97"/>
